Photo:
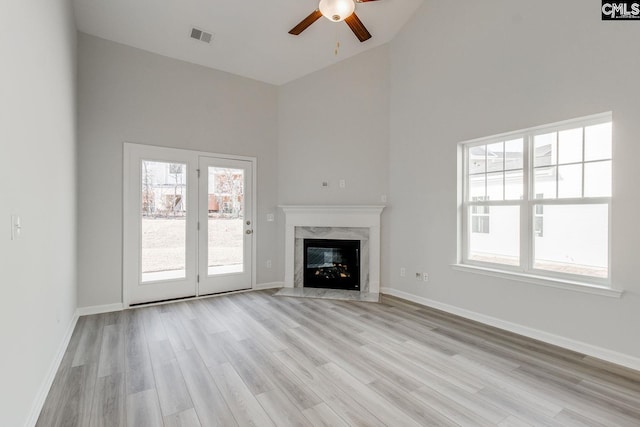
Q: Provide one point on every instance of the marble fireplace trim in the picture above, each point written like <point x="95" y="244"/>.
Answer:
<point x="337" y="233"/>
<point x="333" y="217"/>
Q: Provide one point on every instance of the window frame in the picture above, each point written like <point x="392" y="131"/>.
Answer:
<point x="527" y="204"/>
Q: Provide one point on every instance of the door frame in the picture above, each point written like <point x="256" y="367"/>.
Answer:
<point x="223" y="282"/>
<point x="131" y="233"/>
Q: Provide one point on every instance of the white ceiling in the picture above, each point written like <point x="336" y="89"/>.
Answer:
<point x="250" y="37"/>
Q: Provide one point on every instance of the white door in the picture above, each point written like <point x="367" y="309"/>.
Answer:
<point x="185" y="224"/>
<point x="226" y="228"/>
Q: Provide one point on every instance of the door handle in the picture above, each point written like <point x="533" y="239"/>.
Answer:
<point x="249" y="231"/>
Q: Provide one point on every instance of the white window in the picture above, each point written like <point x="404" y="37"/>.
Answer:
<point x="538" y="201"/>
<point x="479" y="217"/>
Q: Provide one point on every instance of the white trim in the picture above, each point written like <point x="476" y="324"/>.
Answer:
<point x="132" y="152"/>
<point x="332" y="209"/>
<point x="196" y="152"/>
<point x="245" y="277"/>
<point x="270" y="285"/>
<point x="109" y="308"/>
<point x="559" y="126"/>
<point x="188" y="299"/>
<point x="551" y="282"/>
<point x="526" y="205"/>
<point x="621" y="359"/>
<point x="41" y="396"/>
<point x="361" y="216"/>
<point x="99" y="309"/>
<point x="254" y="221"/>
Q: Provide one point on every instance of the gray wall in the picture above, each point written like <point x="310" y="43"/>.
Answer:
<point x="332" y="125"/>
<point x="37" y="148"/>
<point x="387" y="122"/>
<point x="495" y="67"/>
<point x="128" y="95"/>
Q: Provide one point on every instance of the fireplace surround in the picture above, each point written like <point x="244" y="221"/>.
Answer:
<point x="359" y="223"/>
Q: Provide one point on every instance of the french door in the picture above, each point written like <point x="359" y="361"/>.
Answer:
<point x="188" y="224"/>
<point x="226" y="225"/>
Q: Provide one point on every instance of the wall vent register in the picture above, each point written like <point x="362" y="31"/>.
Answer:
<point x="201" y="35"/>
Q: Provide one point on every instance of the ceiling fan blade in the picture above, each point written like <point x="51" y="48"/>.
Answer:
<point x="357" y="27"/>
<point x="304" y="24"/>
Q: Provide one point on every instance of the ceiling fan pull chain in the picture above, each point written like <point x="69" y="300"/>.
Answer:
<point x="337" y="44"/>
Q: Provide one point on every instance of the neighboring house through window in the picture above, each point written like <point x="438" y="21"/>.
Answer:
<point x="538" y="200"/>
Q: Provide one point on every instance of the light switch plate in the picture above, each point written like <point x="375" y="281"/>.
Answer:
<point x="16" y="227"/>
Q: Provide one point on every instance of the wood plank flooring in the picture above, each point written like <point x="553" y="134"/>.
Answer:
<point x="255" y="359"/>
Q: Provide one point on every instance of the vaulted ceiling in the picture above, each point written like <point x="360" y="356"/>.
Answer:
<point x="250" y="37"/>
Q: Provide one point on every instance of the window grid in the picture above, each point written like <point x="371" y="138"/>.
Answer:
<point x="531" y="204"/>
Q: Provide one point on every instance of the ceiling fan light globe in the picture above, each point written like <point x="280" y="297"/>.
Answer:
<point x="336" y="10"/>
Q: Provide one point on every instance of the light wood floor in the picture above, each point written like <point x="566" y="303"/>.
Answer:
<point x="255" y="359"/>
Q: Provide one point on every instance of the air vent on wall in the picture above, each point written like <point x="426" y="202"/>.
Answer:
<point x="201" y="35"/>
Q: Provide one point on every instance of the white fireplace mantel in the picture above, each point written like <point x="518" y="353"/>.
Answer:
<point x="359" y="216"/>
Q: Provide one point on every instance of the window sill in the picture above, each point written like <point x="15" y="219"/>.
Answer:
<point x="540" y="280"/>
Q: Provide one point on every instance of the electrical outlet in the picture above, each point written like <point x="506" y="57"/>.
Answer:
<point x="269" y="264"/>
<point x="343" y="183"/>
<point x="403" y="272"/>
<point x="270" y="217"/>
<point x="425" y="277"/>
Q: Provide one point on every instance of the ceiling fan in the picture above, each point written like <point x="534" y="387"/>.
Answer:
<point x="336" y="11"/>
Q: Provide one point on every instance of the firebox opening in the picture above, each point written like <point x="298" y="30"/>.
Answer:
<point x="332" y="264"/>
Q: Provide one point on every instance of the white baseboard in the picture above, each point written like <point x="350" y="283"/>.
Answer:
<point x="568" y="343"/>
<point x="38" y="402"/>
<point x="98" y="309"/>
<point x="270" y="285"/>
<point x="108" y="308"/>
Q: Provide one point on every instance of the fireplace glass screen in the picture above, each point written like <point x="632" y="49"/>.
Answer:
<point x="332" y="264"/>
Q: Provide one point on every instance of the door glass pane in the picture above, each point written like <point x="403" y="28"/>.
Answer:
<point x="225" y="220"/>
<point x="495" y="235"/>
<point x="163" y="216"/>
<point x="573" y="239"/>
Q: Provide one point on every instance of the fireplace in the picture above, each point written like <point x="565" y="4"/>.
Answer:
<point x="361" y="223"/>
<point x="332" y="264"/>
